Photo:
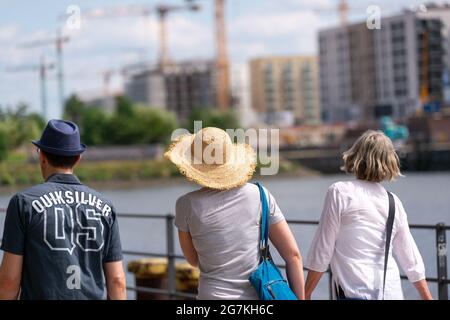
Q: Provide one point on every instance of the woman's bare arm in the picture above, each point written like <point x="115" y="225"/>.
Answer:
<point x="188" y="248"/>
<point x="422" y="288"/>
<point x="312" y="280"/>
<point x="284" y="241"/>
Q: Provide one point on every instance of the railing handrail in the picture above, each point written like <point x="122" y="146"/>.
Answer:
<point x="171" y="292"/>
<point x="440" y="229"/>
<point x="290" y="221"/>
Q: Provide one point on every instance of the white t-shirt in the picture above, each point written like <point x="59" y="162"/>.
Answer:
<point x="351" y="239"/>
<point x="224" y="226"/>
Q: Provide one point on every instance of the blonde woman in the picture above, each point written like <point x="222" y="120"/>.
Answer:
<point x="218" y="224"/>
<point x="352" y="230"/>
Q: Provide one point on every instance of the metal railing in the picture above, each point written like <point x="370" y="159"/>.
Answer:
<point x="441" y="255"/>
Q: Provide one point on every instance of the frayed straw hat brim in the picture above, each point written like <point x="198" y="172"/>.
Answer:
<point x="231" y="174"/>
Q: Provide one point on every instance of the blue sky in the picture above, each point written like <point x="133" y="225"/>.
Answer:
<point x="254" y="27"/>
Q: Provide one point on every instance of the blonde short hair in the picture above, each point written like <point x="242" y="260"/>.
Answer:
<point x="372" y="158"/>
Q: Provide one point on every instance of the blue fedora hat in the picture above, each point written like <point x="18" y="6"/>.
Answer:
<point x="61" y="138"/>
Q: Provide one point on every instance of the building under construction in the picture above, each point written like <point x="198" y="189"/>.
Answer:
<point x="396" y="70"/>
<point x="179" y="88"/>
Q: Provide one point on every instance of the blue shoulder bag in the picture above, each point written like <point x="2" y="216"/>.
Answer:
<point x="267" y="279"/>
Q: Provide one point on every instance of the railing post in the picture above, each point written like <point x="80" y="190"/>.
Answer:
<point x="330" y="284"/>
<point x="441" y="247"/>
<point x="170" y="256"/>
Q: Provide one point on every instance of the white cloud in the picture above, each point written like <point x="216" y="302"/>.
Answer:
<point x="276" y="24"/>
<point x="313" y="4"/>
<point x="189" y="38"/>
<point x="7" y="33"/>
<point x="241" y="49"/>
<point x="18" y="86"/>
<point x="185" y="36"/>
<point x="268" y="27"/>
<point x="263" y="33"/>
<point x="96" y="35"/>
<point x="105" y="45"/>
<point x="102" y="45"/>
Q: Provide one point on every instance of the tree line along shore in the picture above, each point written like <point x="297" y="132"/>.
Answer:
<point x="21" y="174"/>
<point x="128" y="124"/>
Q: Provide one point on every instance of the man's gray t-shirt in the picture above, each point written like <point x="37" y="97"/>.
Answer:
<point x="65" y="232"/>
<point x="224" y="226"/>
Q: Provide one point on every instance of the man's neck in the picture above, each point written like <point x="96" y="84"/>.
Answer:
<point x="53" y="171"/>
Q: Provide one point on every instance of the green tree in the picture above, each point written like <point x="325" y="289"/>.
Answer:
<point x="21" y="126"/>
<point x="129" y="124"/>
<point x="124" y="107"/>
<point x="156" y="125"/>
<point x="74" y="109"/>
<point x="123" y="131"/>
<point x="38" y="120"/>
<point x="213" y="118"/>
<point x="123" y="126"/>
<point x="3" y="144"/>
<point x="17" y="127"/>
<point x="94" y="126"/>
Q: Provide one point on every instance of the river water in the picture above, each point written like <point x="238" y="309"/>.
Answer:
<point x="425" y="196"/>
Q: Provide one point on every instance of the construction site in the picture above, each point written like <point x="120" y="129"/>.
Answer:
<point x="158" y="81"/>
<point x="168" y="84"/>
<point x="356" y="78"/>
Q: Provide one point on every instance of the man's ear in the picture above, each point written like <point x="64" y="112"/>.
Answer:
<point x="42" y="158"/>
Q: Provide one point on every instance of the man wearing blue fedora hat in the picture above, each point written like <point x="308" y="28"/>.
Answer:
<point x="61" y="238"/>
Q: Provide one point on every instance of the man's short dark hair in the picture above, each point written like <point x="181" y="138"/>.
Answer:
<point x="66" y="162"/>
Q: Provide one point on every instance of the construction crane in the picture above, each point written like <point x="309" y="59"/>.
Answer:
<point x="342" y="9"/>
<point x="429" y="102"/>
<point x="343" y="12"/>
<point x="58" y="42"/>
<point x="424" y="86"/>
<point x="42" y="69"/>
<point x="162" y="10"/>
<point x="221" y="59"/>
<point x="106" y="76"/>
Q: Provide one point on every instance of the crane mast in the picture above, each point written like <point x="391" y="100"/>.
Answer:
<point x="343" y="12"/>
<point x="162" y="11"/>
<point x="42" y="69"/>
<point x="58" y="42"/>
<point x="222" y="62"/>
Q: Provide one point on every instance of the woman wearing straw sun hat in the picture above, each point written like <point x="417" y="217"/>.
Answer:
<point x="218" y="225"/>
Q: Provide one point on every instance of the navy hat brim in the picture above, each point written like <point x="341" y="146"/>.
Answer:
<point x="60" y="152"/>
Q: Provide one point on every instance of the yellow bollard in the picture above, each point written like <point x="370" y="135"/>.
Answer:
<point x="186" y="278"/>
<point x="150" y="273"/>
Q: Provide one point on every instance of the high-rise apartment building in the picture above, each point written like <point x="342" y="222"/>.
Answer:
<point x="285" y="87"/>
<point x="394" y="70"/>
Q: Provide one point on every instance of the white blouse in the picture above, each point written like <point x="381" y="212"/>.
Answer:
<point x="351" y="239"/>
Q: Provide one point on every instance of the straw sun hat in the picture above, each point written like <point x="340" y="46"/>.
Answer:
<point x="212" y="160"/>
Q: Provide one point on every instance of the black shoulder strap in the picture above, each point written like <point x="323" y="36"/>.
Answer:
<point x="389" y="226"/>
